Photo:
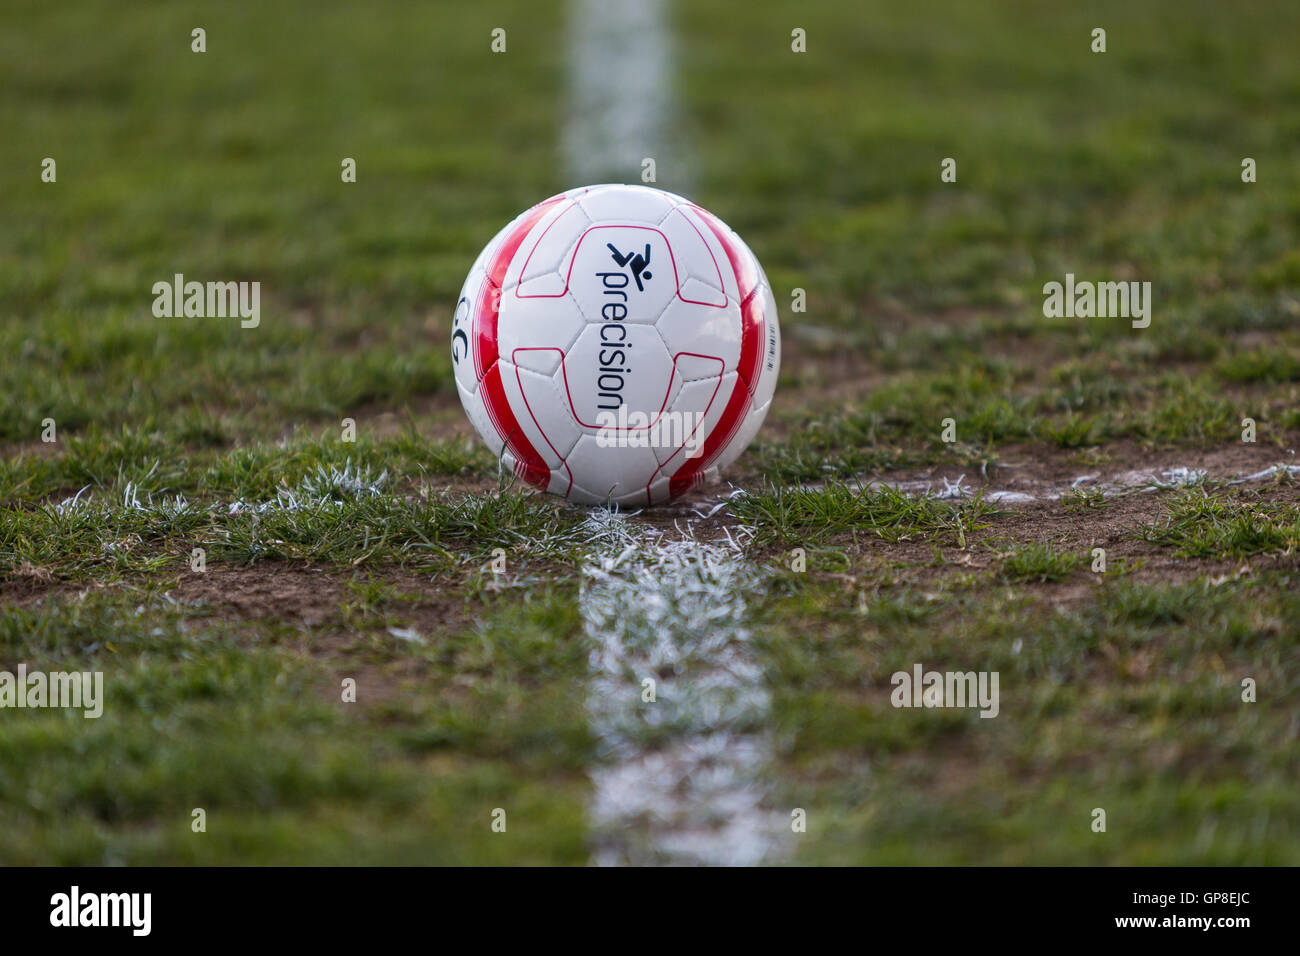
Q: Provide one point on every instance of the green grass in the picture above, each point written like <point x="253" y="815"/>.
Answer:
<point x="900" y="423"/>
<point x="924" y="299"/>
<point x="226" y="165"/>
<point x="1202" y="525"/>
<point x="236" y="720"/>
<point x="346" y="528"/>
<point x="799" y="515"/>
<point x="1261" y="365"/>
<point x="1032" y="563"/>
<point x="1130" y="702"/>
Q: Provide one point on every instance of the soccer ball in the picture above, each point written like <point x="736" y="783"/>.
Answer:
<point x="616" y="345"/>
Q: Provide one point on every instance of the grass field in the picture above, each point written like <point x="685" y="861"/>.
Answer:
<point x="373" y="560"/>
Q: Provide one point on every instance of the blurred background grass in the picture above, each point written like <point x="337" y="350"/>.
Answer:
<point x="225" y="165"/>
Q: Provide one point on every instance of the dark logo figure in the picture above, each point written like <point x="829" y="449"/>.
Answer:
<point x="639" y="263"/>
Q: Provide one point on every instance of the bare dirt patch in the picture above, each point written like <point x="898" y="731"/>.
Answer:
<point x="316" y="597"/>
<point x="308" y="596"/>
<point x="316" y="601"/>
<point x="30" y="585"/>
<point x="1042" y="472"/>
<point x="1034" y="467"/>
<point x="875" y="563"/>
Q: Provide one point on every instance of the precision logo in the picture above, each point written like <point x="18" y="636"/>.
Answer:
<point x="612" y="372"/>
<point x="639" y="263"/>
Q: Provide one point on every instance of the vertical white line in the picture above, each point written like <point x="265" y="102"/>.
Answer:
<point x="620" y="91"/>
<point x="680" y="779"/>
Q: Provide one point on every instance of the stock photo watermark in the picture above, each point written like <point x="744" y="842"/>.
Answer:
<point x="626" y="429"/>
<point x="1102" y="300"/>
<point x="210" y="300"/>
<point x="76" y="909"/>
<point x="77" y="690"/>
<point x="922" y="688"/>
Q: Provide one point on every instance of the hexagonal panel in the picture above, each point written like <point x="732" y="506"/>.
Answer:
<point x="697" y="330"/>
<point x="543" y="412"/>
<point x="621" y="472"/>
<point x="613" y="365"/>
<point x="700" y="268"/>
<point x="538" y="323"/>
<point x="545" y="255"/>
<point x="627" y="204"/>
<point x="623" y="273"/>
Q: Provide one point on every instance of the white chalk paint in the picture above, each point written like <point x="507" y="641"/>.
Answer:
<point x="620" y="92"/>
<point x="679" y="780"/>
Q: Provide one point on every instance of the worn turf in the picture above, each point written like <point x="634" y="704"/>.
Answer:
<point x="199" y="530"/>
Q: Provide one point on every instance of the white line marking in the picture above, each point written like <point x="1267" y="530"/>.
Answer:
<point x="1274" y="471"/>
<point x="619" y="90"/>
<point x="680" y="779"/>
<point x="1122" y="483"/>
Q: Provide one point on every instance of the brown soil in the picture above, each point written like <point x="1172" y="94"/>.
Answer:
<point x="314" y="600"/>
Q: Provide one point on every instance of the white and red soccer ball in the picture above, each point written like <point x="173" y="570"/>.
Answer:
<point x="616" y="344"/>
